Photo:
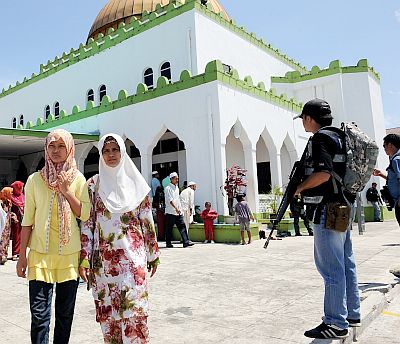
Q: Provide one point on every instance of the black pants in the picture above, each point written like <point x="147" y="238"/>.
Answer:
<point x="177" y="220"/>
<point x="397" y="212"/>
<point x="40" y="296"/>
<point x="296" y="219"/>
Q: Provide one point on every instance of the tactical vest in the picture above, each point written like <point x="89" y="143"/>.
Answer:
<point x="339" y="164"/>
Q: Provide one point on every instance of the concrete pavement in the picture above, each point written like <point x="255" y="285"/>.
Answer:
<point x="226" y="293"/>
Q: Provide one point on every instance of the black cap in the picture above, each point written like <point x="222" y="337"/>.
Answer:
<point x="317" y="109"/>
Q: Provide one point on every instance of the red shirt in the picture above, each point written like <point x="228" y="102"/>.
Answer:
<point x="209" y="214"/>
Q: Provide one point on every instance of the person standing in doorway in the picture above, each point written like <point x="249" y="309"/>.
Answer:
<point x="166" y="181"/>
<point x="187" y="202"/>
<point x="155" y="183"/>
<point x="174" y="213"/>
<point x="159" y="205"/>
<point x="374" y="198"/>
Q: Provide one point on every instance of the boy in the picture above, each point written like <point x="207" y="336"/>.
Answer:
<point x="243" y="215"/>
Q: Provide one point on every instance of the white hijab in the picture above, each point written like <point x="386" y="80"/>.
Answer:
<point x="122" y="188"/>
<point x="3" y="219"/>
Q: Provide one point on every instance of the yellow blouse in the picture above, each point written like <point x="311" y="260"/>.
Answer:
<point x="48" y="261"/>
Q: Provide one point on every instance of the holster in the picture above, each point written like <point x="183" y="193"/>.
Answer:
<point x="338" y="216"/>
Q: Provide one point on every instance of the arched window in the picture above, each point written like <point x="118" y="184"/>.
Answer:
<point x="166" y="70"/>
<point x="102" y="92"/>
<point x="90" y="96"/>
<point x="57" y="110"/>
<point x="148" y="78"/>
<point x="21" y="120"/>
<point x="14" y="122"/>
<point x="47" y="112"/>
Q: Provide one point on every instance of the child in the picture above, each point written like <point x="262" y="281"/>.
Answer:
<point x="243" y="215"/>
<point x="209" y="215"/>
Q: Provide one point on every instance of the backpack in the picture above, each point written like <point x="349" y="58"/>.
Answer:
<point x="360" y="157"/>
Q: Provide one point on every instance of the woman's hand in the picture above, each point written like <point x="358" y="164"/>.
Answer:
<point x="14" y="218"/>
<point x="84" y="273"/>
<point x="22" y="265"/>
<point x="153" y="269"/>
<point x="63" y="182"/>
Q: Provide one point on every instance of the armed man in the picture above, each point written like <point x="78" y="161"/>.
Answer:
<point x="321" y="189"/>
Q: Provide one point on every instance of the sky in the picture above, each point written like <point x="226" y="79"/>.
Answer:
<point x="313" y="32"/>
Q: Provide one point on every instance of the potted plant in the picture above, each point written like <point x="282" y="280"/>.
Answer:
<point x="275" y="194"/>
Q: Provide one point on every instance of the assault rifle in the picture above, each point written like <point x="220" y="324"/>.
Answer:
<point x="295" y="178"/>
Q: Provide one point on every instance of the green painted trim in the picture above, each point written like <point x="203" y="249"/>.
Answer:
<point x="136" y="27"/>
<point x="42" y="134"/>
<point x="214" y="71"/>
<point x="335" y="67"/>
<point x="223" y="233"/>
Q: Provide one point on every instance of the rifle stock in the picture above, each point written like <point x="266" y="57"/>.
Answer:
<point x="295" y="178"/>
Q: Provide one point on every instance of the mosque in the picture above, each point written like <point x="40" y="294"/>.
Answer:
<point x="189" y="90"/>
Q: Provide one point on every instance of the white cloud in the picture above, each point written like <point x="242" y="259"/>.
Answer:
<point x="397" y="14"/>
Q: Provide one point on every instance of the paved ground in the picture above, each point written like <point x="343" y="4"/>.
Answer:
<point x="229" y="293"/>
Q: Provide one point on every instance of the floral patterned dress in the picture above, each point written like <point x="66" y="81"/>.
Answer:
<point x="120" y="247"/>
<point x="5" y="239"/>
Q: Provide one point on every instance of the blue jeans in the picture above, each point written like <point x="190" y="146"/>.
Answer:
<point x="40" y="295"/>
<point x="333" y="253"/>
<point x="377" y="211"/>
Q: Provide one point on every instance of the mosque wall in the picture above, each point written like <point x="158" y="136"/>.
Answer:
<point x="353" y="97"/>
<point x="120" y="67"/>
<point x="214" y="41"/>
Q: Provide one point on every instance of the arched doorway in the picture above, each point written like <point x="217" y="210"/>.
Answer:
<point x="133" y="153"/>
<point x="169" y="155"/>
<point x="286" y="164"/>
<point x="22" y="173"/>
<point x="234" y="150"/>
<point x="91" y="165"/>
<point x="41" y="164"/>
<point x="263" y="167"/>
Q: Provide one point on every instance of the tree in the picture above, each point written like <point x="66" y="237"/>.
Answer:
<point x="235" y="181"/>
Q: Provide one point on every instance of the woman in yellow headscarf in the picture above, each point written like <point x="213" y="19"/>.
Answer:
<point x="54" y="198"/>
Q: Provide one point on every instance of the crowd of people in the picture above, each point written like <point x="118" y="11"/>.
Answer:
<point x="102" y="231"/>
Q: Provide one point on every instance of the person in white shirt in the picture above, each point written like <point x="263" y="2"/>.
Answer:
<point x="187" y="202"/>
<point x="174" y="212"/>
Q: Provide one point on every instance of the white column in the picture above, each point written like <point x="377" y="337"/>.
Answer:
<point x="81" y="153"/>
<point x="250" y="158"/>
<point x="146" y="164"/>
<point x="276" y="169"/>
<point x="220" y="176"/>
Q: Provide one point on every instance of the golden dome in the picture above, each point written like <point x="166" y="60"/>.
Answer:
<point x="117" y="11"/>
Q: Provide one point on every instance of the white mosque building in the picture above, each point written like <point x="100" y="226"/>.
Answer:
<point x="189" y="90"/>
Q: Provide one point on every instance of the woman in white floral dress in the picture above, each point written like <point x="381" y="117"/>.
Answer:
<point x="118" y="245"/>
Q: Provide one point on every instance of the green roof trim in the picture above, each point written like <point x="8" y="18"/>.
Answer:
<point x="214" y="72"/>
<point x="335" y="67"/>
<point x="42" y="134"/>
<point x="136" y="27"/>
